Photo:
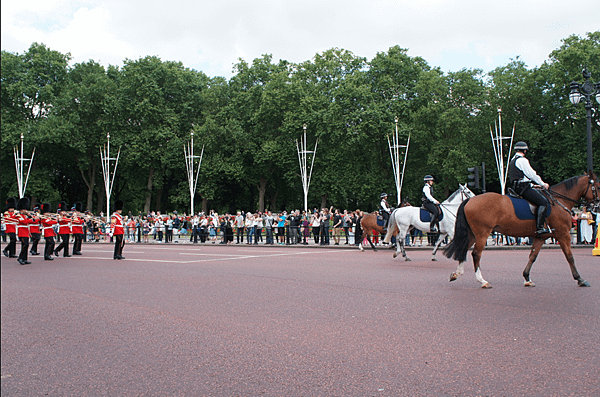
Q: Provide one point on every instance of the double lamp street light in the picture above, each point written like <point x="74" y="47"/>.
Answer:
<point x="586" y="91"/>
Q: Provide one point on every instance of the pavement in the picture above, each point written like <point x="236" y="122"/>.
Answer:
<point x="239" y="320"/>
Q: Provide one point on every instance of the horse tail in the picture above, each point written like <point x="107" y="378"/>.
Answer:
<point x="392" y="227"/>
<point x="459" y="246"/>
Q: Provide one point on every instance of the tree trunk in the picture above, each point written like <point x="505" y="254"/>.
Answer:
<point x="324" y="201"/>
<point x="149" y="191"/>
<point x="158" y="200"/>
<point x="90" y="181"/>
<point x="204" y="205"/>
<point x="262" y="188"/>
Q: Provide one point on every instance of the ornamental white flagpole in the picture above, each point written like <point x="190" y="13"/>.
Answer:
<point x="190" y="165"/>
<point x="395" y="156"/>
<point x="497" y="142"/>
<point x="305" y="172"/>
<point x="20" y="168"/>
<point x="109" y="177"/>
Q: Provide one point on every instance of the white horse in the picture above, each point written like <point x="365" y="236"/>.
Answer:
<point x="406" y="218"/>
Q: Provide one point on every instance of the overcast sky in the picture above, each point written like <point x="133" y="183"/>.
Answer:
<point x="210" y="36"/>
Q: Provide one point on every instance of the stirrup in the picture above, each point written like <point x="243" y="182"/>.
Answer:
<point x="543" y="231"/>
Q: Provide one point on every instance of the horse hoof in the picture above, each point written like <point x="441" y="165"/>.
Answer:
<point x="529" y="284"/>
<point x="434" y="259"/>
<point x="374" y="249"/>
<point x="453" y="276"/>
<point x="395" y="255"/>
<point x="583" y="283"/>
<point x="486" y="286"/>
<point x="407" y="259"/>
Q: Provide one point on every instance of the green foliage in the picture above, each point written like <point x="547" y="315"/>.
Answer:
<point x="249" y="126"/>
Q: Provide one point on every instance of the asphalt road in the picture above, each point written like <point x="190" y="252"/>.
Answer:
<point x="302" y="321"/>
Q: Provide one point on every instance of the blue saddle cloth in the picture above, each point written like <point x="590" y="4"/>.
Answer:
<point x="425" y="215"/>
<point x="523" y="210"/>
<point x="380" y="221"/>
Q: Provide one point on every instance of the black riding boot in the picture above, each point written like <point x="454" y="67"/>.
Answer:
<point x="541" y="219"/>
<point x="433" y="225"/>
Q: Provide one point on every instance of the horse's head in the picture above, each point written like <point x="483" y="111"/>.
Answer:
<point x="466" y="191"/>
<point x="460" y="195"/>
<point x="592" y="192"/>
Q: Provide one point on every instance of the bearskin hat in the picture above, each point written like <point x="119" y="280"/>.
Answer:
<point x="62" y="206"/>
<point x="45" y="208"/>
<point x="23" y="204"/>
<point x="11" y="202"/>
<point x="37" y="207"/>
<point x="119" y="205"/>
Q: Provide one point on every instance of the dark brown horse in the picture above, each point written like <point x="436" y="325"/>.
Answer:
<point x="480" y="215"/>
<point x="368" y="223"/>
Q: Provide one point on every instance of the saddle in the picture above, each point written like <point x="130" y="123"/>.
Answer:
<point x="524" y="210"/>
<point x="425" y="216"/>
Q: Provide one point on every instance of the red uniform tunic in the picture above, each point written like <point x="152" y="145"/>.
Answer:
<point x="64" y="226"/>
<point x="48" y="227"/>
<point x="34" y="227"/>
<point x="77" y="225"/>
<point x="116" y="224"/>
<point x="22" y="226"/>
<point x="10" y="220"/>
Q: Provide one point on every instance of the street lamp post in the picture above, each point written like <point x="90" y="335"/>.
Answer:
<point x="587" y="90"/>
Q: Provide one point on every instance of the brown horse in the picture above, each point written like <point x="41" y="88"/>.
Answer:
<point x="368" y="223"/>
<point x="479" y="216"/>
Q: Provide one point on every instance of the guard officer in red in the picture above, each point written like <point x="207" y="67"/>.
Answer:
<point x="77" y="228"/>
<point x="116" y="224"/>
<point x="10" y="221"/>
<point x="23" y="229"/>
<point x="64" y="230"/>
<point x="49" y="233"/>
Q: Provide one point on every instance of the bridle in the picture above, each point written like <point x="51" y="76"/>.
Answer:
<point x="595" y="203"/>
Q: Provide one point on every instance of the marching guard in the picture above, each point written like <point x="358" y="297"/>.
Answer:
<point x="34" y="231"/>
<point x="116" y="223"/>
<point x="10" y="220"/>
<point x="49" y="233"/>
<point x="77" y="228"/>
<point x="23" y="229"/>
<point x="64" y="230"/>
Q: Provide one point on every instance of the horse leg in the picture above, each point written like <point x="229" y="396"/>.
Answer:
<point x="535" y="250"/>
<point x="479" y="245"/>
<point x="400" y="249"/>
<point x="441" y="238"/>
<point x="565" y="245"/>
<point x="370" y="242"/>
<point x="460" y="270"/>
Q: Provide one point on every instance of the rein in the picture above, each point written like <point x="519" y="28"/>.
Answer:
<point x="551" y="194"/>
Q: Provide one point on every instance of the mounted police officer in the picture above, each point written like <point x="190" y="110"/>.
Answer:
<point x="522" y="179"/>
<point x="430" y="203"/>
<point x="385" y="210"/>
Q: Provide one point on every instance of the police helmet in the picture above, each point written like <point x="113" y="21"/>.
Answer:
<point x="383" y="195"/>
<point x="520" y="146"/>
<point x="428" y="178"/>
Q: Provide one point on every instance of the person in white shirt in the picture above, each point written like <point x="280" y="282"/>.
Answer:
<point x="430" y="203"/>
<point x="523" y="178"/>
<point x="385" y="210"/>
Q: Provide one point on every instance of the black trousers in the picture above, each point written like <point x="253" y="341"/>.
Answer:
<point x="24" y="248"/>
<point x="35" y="239"/>
<point x="11" y="248"/>
<point x="64" y="244"/>
<point x="77" y="243"/>
<point x="118" y="245"/>
<point x="49" y="247"/>
<point x="433" y="209"/>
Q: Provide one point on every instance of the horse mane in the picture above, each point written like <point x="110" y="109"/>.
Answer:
<point x="569" y="183"/>
<point x="453" y="195"/>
